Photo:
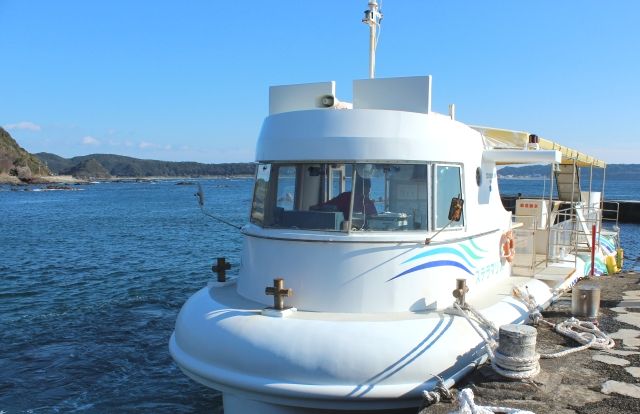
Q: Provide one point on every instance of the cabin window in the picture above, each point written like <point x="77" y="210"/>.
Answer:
<point x="260" y="193"/>
<point x="320" y="196"/>
<point x="448" y="184"/>
<point x="399" y="193"/>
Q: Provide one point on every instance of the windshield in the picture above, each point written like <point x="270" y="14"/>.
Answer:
<point x="342" y="196"/>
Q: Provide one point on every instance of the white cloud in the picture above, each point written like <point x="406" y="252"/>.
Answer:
<point x="89" y="140"/>
<point x="145" y="144"/>
<point x="29" y="126"/>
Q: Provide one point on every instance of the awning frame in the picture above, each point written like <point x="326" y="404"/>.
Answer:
<point x="508" y="139"/>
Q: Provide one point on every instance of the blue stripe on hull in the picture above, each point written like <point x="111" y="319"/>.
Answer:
<point x="436" y="263"/>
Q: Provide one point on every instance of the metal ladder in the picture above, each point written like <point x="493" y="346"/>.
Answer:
<point x="568" y="182"/>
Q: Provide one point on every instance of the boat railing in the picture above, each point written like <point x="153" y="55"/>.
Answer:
<point x="563" y="238"/>
<point x="541" y="244"/>
<point x="610" y="216"/>
<point x="572" y="232"/>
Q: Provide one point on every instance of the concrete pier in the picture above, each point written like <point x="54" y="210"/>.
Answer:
<point x="629" y="211"/>
<point x="586" y="382"/>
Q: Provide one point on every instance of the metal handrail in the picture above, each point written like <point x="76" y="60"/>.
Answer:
<point x="569" y="230"/>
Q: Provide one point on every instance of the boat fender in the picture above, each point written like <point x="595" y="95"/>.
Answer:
<point x="508" y="246"/>
<point x="610" y="262"/>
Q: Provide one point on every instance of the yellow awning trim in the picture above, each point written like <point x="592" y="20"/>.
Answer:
<point x="508" y="139"/>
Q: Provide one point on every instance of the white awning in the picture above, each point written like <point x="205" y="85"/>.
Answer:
<point x="498" y="139"/>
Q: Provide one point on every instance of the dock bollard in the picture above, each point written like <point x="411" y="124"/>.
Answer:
<point x="516" y="356"/>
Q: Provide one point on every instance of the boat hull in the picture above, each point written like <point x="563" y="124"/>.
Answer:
<point x="327" y="361"/>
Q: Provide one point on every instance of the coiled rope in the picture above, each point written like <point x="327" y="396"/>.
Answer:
<point x="468" y="406"/>
<point x="515" y="367"/>
<point x="507" y="366"/>
<point x="585" y="333"/>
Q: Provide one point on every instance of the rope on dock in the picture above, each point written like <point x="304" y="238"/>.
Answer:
<point x="507" y="366"/>
<point x="585" y="333"/>
<point x="516" y="368"/>
<point x="440" y="393"/>
<point x="468" y="406"/>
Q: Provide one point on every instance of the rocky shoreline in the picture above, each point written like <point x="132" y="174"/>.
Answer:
<point x="53" y="179"/>
<point x="61" y="180"/>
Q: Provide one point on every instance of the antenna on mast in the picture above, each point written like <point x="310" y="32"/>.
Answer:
<point x="372" y="18"/>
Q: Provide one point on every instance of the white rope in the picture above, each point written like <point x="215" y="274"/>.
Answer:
<point x="507" y="366"/>
<point x="434" y="397"/>
<point x="440" y="392"/>
<point x="487" y="337"/>
<point x="491" y="328"/>
<point x="514" y="367"/>
<point x="468" y="406"/>
<point x="583" y="332"/>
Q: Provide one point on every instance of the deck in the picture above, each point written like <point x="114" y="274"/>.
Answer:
<point x="586" y="382"/>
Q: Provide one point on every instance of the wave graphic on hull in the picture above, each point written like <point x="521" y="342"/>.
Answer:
<point x="466" y="256"/>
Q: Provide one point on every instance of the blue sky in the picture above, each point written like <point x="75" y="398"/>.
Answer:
<point x="189" y="80"/>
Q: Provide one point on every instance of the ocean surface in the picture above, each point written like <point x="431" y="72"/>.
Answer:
<point x="92" y="281"/>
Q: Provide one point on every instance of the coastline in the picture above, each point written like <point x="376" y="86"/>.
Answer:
<point x="6" y="179"/>
<point x="522" y="177"/>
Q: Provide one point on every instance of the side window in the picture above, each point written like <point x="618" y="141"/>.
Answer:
<point x="448" y="184"/>
<point x="260" y="194"/>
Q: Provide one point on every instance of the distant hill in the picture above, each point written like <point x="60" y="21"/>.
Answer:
<point x="613" y="171"/>
<point x="16" y="161"/>
<point x="109" y="165"/>
<point x="88" y="169"/>
<point x="55" y="162"/>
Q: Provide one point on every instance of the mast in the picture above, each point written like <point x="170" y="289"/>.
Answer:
<point x="372" y="18"/>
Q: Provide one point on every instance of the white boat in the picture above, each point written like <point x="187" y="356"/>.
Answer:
<point x="364" y="320"/>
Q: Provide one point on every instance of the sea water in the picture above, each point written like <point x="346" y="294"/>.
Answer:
<point x="92" y="281"/>
<point x="91" y="284"/>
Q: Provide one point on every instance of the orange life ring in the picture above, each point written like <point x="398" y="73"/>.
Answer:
<point x="508" y="245"/>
